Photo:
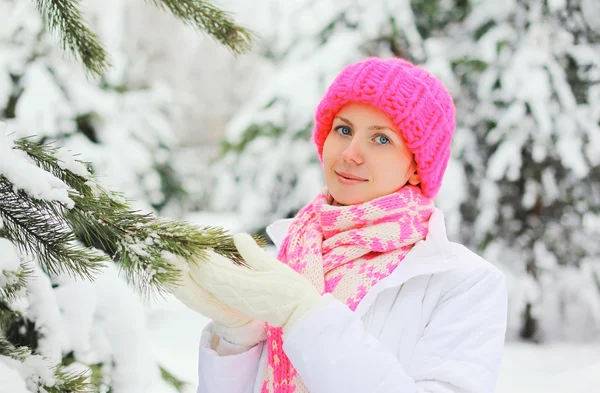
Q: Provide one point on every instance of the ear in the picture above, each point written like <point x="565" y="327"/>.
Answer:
<point x="415" y="177"/>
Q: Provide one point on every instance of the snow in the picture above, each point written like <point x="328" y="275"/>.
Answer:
<point x="23" y="377"/>
<point x="44" y="311"/>
<point x="124" y="330"/>
<point x="569" y="148"/>
<point x="45" y="113"/>
<point x="452" y="193"/>
<point x="551" y="191"/>
<point x="528" y="368"/>
<point x="77" y="300"/>
<point x="590" y="9"/>
<point x="556" y="5"/>
<point x="26" y="176"/>
<point x="175" y="332"/>
<point x="139" y="249"/>
<point x="9" y="259"/>
<point x="66" y="161"/>
<point x="10" y="379"/>
<point x="506" y="161"/>
<point x="487" y="10"/>
<point x="105" y="322"/>
<point x="38" y="371"/>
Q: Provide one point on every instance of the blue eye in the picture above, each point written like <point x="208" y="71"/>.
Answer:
<point x="343" y="130"/>
<point x="384" y="140"/>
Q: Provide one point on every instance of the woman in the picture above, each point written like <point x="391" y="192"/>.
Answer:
<point x="367" y="294"/>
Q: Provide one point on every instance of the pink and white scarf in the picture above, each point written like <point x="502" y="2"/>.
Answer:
<point x="345" y="250"/>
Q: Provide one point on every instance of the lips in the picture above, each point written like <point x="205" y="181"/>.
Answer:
<point x="349" y="177"/>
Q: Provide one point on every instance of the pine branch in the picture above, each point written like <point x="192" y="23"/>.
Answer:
<point x="64" y="381"/>
<point x="8" y="318"/>
<point x="138" y="241"/>
<point x="99" y="377"/>
<point x="64" y="17"/>
<point x="103" y="218"/>
<point x="15" y="283"/>
<point x="44" y="156"/>
<point x="141" y="250"/>
<point x="38" y="227"/>
<point x="69" y="381"/>
<point x="204" y="16"/>
<point x="9" y="350"/>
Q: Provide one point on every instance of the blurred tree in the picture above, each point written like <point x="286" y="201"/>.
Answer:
<point x="529" y="147"/>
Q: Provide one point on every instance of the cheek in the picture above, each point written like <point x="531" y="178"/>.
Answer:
<point x="390" y="169"/>
<point x="383" y="168"/>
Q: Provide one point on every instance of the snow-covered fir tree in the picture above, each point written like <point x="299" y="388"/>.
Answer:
<point x="523" y="184"/>
<point x="61" y="331"/>
<point x="69" y="321"/>
<point x="51" y="313"/>
<point x="529" y="148"/>
<point x="120" y="122"/>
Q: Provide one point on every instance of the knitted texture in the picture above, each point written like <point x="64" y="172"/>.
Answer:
<point x="345" y="250"/>
<point x="417" y="103"/>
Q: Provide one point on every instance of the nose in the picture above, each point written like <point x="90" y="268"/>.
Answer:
<point x="352" y="153"/>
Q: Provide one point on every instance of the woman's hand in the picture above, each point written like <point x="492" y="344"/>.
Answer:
<point x="268" y="290"/>
<point x="231" y="324"/>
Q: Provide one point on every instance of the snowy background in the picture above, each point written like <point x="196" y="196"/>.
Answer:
<point x="190" y="131"/>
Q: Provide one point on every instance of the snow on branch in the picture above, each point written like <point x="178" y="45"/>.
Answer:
<point x="50" y="205"/>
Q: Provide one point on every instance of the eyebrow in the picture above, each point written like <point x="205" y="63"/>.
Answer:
<point x="370" y="128"/>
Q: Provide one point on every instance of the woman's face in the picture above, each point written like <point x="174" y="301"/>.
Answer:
<point x="364" y="156"/>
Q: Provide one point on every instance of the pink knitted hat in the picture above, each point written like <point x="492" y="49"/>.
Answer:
<point x="417" y="103"/>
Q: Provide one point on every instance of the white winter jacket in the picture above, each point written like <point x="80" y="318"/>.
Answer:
<point x="435" y="325"/>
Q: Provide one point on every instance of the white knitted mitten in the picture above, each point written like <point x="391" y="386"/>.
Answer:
<point x="229" y="323"/>
<point x="268" y="290"/>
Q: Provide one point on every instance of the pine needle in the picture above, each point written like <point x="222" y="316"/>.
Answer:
<point x="206" y="17"/>
<point x="64" y="18"/>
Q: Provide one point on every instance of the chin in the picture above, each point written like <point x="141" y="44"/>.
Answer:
<point x="346" y="198"/>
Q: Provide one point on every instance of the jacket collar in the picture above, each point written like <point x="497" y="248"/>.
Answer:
<point x="429" y="256"/>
